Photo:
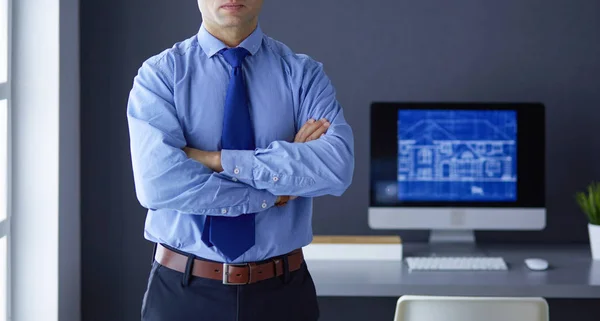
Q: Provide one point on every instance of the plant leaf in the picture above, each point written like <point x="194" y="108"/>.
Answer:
<point x="596" y="202"/>
<point x="589" y="202"/>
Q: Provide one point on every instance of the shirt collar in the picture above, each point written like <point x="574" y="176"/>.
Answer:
<point x="211" y="45"/>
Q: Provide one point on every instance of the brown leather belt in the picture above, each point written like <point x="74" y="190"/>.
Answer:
<point x="232" y="274"/>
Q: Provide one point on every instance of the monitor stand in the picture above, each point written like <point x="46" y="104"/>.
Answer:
<point x="455" y="243"/>
<point x="452" y="236"/>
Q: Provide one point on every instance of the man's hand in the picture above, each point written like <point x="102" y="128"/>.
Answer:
<point x="311" y="130"/>
<point x="211" y="160"/>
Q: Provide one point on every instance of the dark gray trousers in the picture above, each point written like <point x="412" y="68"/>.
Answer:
<point x="173" y="296"/>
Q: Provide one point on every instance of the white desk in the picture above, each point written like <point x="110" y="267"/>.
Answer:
<point x="572" y="274"/>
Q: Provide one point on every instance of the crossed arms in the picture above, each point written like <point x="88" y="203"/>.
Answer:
<point x="168" y="175"/>
<point x="311" y="130"/>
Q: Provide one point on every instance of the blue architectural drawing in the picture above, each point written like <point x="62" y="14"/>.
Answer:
<point x="461" y="155"/>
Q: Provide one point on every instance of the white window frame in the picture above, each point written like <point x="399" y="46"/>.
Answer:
<point x="5" y="90"/>
<point x="44" y="197"/>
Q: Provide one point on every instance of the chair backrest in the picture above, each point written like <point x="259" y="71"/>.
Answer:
<point x="437" y="308"/>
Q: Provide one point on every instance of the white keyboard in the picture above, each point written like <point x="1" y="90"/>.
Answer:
<point x="456" y="264"/>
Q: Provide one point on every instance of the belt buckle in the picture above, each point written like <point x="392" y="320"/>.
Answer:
<point x="226" y="273"/>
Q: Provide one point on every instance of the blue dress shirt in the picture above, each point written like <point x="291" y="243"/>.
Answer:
<point x="177" y="100"/>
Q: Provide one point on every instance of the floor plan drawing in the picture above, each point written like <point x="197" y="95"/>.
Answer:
<point x="457" y="155"/>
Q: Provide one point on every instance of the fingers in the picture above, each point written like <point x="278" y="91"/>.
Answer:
<point x="312" y="129"/>
<point x="282" y="200"/>
<point x="318" y="132"/>
<point x="300" y="134"/>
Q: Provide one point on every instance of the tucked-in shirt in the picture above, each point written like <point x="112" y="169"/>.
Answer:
<point x="178" y="99"/>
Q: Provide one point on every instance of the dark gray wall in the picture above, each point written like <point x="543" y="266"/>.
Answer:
<point x="385" y="50"/>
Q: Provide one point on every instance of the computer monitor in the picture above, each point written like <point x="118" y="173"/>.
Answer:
<point x="453" y="168"/>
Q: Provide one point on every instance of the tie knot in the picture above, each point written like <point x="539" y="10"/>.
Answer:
<point x="235" y="56"/>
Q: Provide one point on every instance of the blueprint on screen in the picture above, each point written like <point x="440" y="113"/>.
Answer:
<point x="457" y="155"/>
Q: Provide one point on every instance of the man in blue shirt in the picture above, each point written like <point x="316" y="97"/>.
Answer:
<point x="232" y="134"/>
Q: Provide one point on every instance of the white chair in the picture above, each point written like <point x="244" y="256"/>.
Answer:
<point x="438" y="308"/>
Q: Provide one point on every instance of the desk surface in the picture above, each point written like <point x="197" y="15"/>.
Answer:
<point x="572" y="274"/>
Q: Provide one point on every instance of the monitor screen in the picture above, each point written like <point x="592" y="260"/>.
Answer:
<point x="457" y="155"/>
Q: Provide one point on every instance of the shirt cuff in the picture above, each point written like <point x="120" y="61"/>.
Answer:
<point x="260" y="200"/>
<point x="238" y="164"/>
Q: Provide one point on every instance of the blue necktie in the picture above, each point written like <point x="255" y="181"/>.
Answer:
<point x="234" y="235"/>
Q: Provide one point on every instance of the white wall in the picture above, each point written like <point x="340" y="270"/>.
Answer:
<point x="45" y="161"/>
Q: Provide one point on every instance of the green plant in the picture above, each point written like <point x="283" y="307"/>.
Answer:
<point x="590" y="203"/>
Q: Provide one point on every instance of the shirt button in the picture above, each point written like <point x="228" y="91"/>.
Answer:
<point x="236" y="171"/>
<point x="224" y="211"/>
<point x="275" y="179"/>
<point x="234" y="179"/>
<point x="264" y="205"/>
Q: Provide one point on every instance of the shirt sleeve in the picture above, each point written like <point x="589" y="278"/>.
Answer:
<point x="164" y="177"/>
<point x="320" y="167"/>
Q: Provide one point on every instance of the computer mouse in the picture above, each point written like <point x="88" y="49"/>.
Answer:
<point x="536" y="264"/>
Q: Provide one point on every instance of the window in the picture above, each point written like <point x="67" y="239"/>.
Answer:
<point x="4" y="41"/>
<point x="404" y="148"/>
<point x="493" y="167"/>
<point x="446" y="148"/>
<point x="481" y="148"/>
<point x="425" y="156"/>
<point x="425" y="173"/>
<point x="5" y="19"/>
<point x="497" y="148"/>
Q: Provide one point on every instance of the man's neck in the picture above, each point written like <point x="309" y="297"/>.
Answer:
<point x="232" y="36"/>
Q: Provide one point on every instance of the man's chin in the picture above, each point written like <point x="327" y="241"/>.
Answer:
<point x="232" y="21"/>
